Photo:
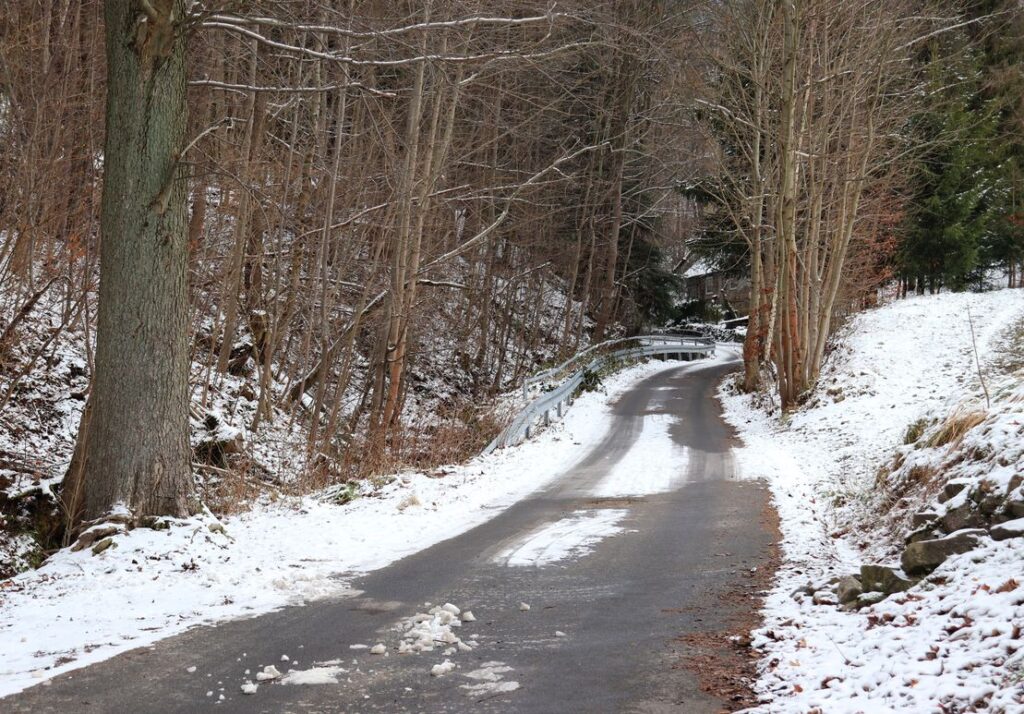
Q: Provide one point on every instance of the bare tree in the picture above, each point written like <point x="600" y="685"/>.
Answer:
<point x="133" y="442"/>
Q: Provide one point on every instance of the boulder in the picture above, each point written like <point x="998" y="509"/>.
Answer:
<point x="219" y="442"/>
<point x="102" y="545"/>
<point x="924" y="556"/>
<point x="848" y="589"/>
<point x="870" y="598"/>
<point x="884" y="579"/>
<point x="963" y="516"/>
<point x="923" y="518"/>
<point x="94" y="534"/>
<point x="990" y="504"/>
<point x="923" y="533"/>
<point x="951" y="489"/>
<point x="825" y="597"/>
<point x="1015" y="507"/>
<point x="1010" y="529"/>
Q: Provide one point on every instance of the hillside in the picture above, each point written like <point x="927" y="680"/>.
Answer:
<point x="899" y="419"/>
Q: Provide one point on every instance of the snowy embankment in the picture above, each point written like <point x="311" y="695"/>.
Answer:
<point x="82" y="607"/>
<point x="952" y="642"/>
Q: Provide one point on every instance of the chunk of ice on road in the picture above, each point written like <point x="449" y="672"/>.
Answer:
<point x="439" y="670"/>
<point x="425" y="630"/>
<point x="249" y="687"/>
<point x="468" y="616"/>
<point x="448" y="607"/>
<point x="269" y="672"/>
<point x="378" y="649"/>
<point x="191" y="670"/>
<point x="523" y="607"/>
<point x="284" y="658"/>
<point x="559" y="633"/>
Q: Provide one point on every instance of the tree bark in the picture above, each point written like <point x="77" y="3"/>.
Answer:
<point x="135" y="448"/>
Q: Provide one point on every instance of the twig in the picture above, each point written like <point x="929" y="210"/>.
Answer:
<point x="845" y="658"/>
<point x="977" y="360"/>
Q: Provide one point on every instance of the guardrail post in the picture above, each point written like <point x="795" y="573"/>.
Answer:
<point x="547" y="417"/>
<point x="559" y="409"/>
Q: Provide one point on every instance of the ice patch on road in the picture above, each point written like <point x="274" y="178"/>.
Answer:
<point x="314" y="675"/>
<point x="655" y="463"/>
<point x="490" y="678"/>
<point x="571" y="537"/>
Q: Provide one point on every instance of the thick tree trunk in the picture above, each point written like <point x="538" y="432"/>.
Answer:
<point x="135" y="448"/>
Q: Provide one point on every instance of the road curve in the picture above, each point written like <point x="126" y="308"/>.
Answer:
<point x="607" y="625"/>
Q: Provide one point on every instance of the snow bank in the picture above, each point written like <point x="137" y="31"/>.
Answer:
<point x="81" y="608"/>
<point x="951" y="642"/>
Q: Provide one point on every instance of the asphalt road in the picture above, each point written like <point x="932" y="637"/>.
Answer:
<point x="624" y="609"/>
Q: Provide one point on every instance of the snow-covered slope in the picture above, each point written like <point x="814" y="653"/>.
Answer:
<point x="951" y="642"/>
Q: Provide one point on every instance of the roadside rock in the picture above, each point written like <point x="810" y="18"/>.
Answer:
<point x="102" y="545"/>
<point x="848" y="589"/>
<point x="964" y="516"/>
<point x="1010" y="529"/>
<point x="924" y="533"/>
<point x="1015" y="507"/>
<point x="884" y="579"/>
<point x="924" y="556"/>
<point x="923" y="518"/>
<point x="825" y="597"/>
<point x="870" y="598"/>
<point x="951" y="489"/>
<point x="94" y="534"/>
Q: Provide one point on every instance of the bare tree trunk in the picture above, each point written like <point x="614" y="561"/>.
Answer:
<point x="134" y="447"/>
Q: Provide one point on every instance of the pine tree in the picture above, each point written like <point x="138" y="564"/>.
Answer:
<point x="958" y="183"/>
<point x="999" y="34"/>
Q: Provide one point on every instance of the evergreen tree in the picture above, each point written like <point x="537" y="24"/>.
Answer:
<point x="958" y="187"/>
<point x="999" y="35"/>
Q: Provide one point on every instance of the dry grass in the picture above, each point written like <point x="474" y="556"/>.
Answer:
<point x="234" y="489"/>
<point x="455" y="436"/>
<point x="921" y="475"/>
<point x="956" y="427"/>
<point x="915" y="431"/>
<point x="452" y="436"/>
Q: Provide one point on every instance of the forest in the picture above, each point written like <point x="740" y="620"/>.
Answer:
<point x="521" y="356"/>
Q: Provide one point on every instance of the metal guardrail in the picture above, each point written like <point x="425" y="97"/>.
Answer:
<point x="561" y="397"/>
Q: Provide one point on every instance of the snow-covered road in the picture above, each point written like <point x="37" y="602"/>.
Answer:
<point x="620" y="547"/>
<point x="79" y="608"/>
